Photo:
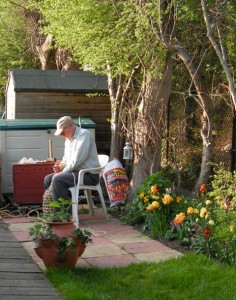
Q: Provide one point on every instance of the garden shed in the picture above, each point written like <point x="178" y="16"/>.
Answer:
<point x="50" y="94"/>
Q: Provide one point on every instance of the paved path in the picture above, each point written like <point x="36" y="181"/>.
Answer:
<point x="114" y="244"/>
<point x="20" y="277"/>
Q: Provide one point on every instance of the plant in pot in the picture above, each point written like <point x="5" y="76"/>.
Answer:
<point x="57" y="240"/>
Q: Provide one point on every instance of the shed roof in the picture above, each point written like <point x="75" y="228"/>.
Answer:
<point x="24" y="124"/>
<point x="54" y="80"/>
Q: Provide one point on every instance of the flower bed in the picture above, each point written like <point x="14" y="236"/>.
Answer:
<point x="205" y="224"/>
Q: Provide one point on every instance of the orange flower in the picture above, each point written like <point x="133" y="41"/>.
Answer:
<point x="149" y="208"/>
<point x="155" y="204"/>
<point x="152" y="206"/>
<point x="206" y="232"/>
<point x="178" y="199"/>
<point x="190" y="211"/>
<point x="154" y="189"/>
<point x="202" y="189"/>
<point x="179" y="219"/>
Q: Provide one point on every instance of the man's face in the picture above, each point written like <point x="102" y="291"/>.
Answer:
<point x="68" y="132"/>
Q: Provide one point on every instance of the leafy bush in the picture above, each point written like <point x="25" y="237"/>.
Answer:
<point x="210" y="224"/>
<point x="153" y="206"/>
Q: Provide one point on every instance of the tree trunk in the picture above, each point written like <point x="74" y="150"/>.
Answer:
<point x="117" y="140"/>
<point x="219" y="49"/>
<point x="42" y="46"/>
<point x="150" y="125"/>
<point x="208" y="111"/>
<point x="47" y="54"/>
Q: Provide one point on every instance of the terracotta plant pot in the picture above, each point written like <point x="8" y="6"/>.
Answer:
<point x="62" y="229"/>
<point x="47" y="243"/>
<point x="81" y="249"/>
<point x="48" y="249"/>
<point x="39" y="250"/>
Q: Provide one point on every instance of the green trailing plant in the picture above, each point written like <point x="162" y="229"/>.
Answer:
<point x="65" y="245"/>
<point x="84" y="235"/>
<point x="41" y="231"/>
<point x="61" y="211"/>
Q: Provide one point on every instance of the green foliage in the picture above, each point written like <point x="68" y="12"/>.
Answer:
<point x="15" y="51"/>
<point x="104" y="32"/>
<point x="65" y="245"/>
<point x="135" y="211"/>
<point x="41" y="231"/>
<point x="223" y="187"/>
<point x="60" y="212"/>
<point x="154" y="206"/>
<point x="84" y="235"/>
<point x="209" y="224"/>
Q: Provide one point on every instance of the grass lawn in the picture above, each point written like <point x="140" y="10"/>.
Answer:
<point x="191" y="276"/>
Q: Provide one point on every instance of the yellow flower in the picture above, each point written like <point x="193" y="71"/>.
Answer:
<point x="190" y="210"/>
<point x="167" y="199"/>
<point x="211" y="222"/>
<point x="155" y="197"/>
<point x="179" y="219"/>
<point x="203" y="212"/>
<point x="196" y="211"/>
<point x="146" y="199"/>
<point x="141" y="195"/>
<point x="155" y="204"/>
<point x="197" y="220"/>
<point x="178" y="199"/>
<point x="149" y="208"/>
<point x="208" y="202"/>
<point x="231" y="228"/>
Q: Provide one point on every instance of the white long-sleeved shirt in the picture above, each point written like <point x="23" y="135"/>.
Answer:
<point x="80" y="152"/>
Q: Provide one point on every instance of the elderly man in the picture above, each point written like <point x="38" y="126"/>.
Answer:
<point x="80" y="153"/>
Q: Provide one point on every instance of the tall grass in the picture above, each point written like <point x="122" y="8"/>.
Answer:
<point x="188" y="277"/>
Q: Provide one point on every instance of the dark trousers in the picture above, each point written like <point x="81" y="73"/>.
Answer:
<point x="63" y="181"/>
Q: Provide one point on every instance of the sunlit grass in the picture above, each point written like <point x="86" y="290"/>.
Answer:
<point x="188" y="277"/>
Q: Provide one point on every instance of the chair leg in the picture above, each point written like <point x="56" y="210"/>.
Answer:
<point x="75" y="214"/>
<point x="88" y="194"/>
<point x="102" y="201"/>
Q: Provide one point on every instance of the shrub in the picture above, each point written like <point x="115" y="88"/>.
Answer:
<point x="209" y="225"/>
<point x="154" y="205"/>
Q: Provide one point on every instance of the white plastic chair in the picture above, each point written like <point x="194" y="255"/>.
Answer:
<point x="103" y="160"/>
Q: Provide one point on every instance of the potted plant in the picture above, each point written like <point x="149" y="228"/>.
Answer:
<point x="57" y="240"/>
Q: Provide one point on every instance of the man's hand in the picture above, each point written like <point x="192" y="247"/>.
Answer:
<point x="57" y="168"/>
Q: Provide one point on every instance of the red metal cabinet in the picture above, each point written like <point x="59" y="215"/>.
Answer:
<point x="28" y="182"/>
